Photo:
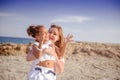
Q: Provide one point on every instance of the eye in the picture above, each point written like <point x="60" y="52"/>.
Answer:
<point x="55" y="34"/>
<point x="50" y="32"/>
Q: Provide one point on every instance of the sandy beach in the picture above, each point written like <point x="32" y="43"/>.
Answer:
<point x="83" y="61"/>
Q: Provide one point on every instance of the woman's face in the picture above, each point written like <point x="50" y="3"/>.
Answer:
<point x="53" y="34"/>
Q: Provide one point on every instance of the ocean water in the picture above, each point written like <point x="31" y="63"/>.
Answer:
<point x="15" y="40"/>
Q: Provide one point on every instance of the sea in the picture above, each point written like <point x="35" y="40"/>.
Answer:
<point x="18" y="40"/>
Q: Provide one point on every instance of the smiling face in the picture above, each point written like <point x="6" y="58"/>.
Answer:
<point x="54" y="34"/>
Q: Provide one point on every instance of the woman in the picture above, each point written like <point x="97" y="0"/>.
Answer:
<point x="56" y="36"/>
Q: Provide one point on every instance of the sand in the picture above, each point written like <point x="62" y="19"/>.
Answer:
<point x="83" y="61"/>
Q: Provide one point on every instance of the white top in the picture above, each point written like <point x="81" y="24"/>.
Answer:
<point x="45" y="56"/>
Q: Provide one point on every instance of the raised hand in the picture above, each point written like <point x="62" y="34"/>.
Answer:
<point x="69" y="38"/>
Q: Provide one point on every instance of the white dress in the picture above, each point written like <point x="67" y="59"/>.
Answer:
<point x="39" y="72"/>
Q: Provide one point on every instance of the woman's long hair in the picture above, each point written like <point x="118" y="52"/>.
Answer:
<point x="60" y="42"/>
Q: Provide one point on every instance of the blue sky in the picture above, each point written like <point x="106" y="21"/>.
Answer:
<point x="87" y="20"/>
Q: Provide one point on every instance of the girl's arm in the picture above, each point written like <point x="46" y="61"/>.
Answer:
<point x="33" y="53"/>
<point x="30" y="55"/>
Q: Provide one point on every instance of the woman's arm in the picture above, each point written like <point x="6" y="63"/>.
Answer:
<point x="67" y="40"/>
<point x="59" y="65"/>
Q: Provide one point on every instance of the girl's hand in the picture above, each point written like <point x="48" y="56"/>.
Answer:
<point x="36" y="52"/>
<point x="41" y="41"/>
<point x="50" y="51"/>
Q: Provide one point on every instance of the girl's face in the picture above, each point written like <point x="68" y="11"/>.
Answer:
<point x="43" y="36"/>
<point x="53" y="34"/>
<point x="37" y="37"/>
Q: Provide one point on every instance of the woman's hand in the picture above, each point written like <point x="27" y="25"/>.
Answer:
<point x="69" y="38"/>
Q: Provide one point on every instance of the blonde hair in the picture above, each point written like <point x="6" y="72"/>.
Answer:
<point x="60" y="42"/>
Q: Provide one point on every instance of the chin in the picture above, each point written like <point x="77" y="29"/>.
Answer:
<point x="51" y="39"/>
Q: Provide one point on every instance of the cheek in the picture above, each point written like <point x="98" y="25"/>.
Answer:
<point x="38" y="38"/>
<point x="45" y="36"/>
<point x="52" y="38"/>
<point x="56" y="38"/>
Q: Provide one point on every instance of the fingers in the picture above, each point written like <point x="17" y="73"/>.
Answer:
<point x="51" y="45"/>
<point x="49" y="51"/>
<point x="34" y="47"/>
<point x="69" y="36"/>
<point x="41" y="39"/>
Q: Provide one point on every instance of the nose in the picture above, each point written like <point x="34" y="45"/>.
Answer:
<point x="51" y="35"/>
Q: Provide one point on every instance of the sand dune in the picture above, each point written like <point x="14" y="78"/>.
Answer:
<point x="83" y="61"/>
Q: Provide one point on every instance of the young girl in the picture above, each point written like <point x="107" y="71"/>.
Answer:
<point x="43" y="63"/>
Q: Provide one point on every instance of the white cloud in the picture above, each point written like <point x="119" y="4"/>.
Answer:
<point x="2" y="14"/>
<point x="73" y="19"/>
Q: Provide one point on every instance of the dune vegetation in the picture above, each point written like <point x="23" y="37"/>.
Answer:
<point x="83" y="61"/>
